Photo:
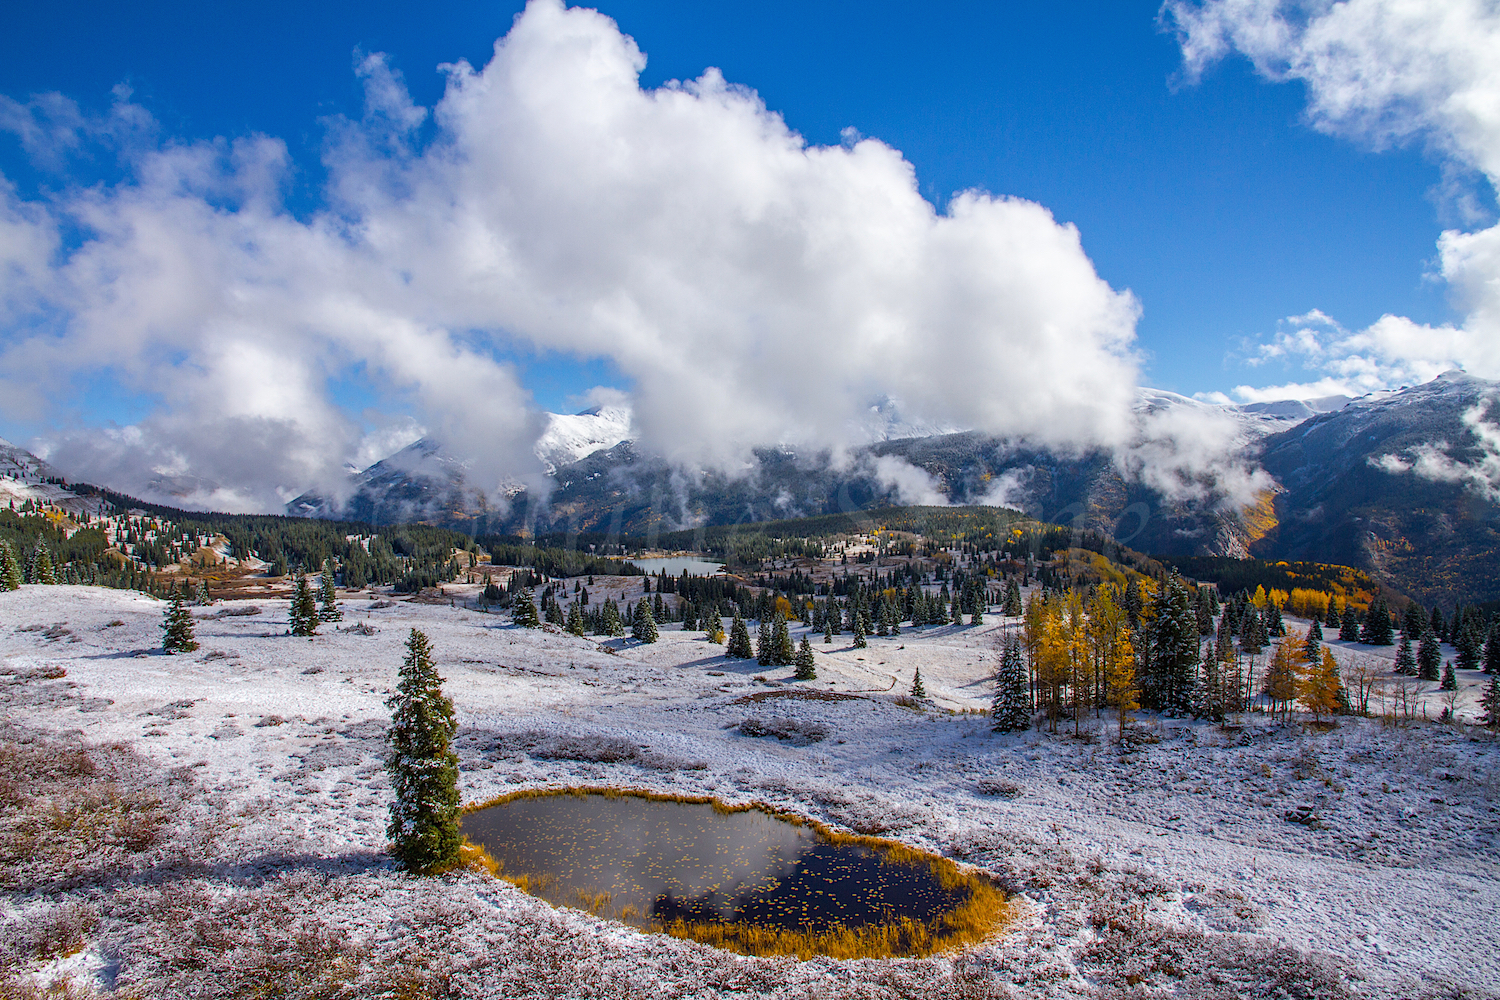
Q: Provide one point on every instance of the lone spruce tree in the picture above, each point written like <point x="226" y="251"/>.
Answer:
<point x="422" y="765"/>
<point x="177" y="628"/>
<point x="918" y="689"/>
<point x="807" y="668"/>
<point x="304" y="610"/>
<point x="645" y="623"/>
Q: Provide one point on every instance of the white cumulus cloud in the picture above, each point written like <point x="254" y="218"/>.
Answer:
<point x="752" y="287"/>
<point x="1380" y="72"/>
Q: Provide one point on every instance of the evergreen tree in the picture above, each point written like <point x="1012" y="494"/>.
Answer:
<point x="10" y="568"/>
<point x="1202" y="614"/>
<point x="1349" y="627"/>
<point x="1275" y="627"/>
<point x="1312" y="646"/>
<point x="1208" y="690"/>
<point x="177" y="628"/>
<point x="713" y="625"/>
<point x="1377" y="630"/>
<point x="1437" y="625"/>
<point x="1168" y="685"/>
<point x="1429" y="657"/>
<point x="859" y="634"/>
<point x="1414" y="621"/>
<point x="828" y="628"/>
<point x="1335" y="615"/>
<point x="1135" y="604"/>
<point x="1406" y="662"/>
<point x="645" y="623"/>
<point x="1254" y="637"/>
<point x="43" y="573"/>
<point x="918" y="689"/>
<point x="689" y="617"/>
<point x="575" y="619"/>
<point x="613" y="625"/>
<point x="1010" y="711"/>
<point x="424" y="826"/>
<point x="1450" y="679"/>
<point x="1490" y="702"/>
<point x="783" y="653"/>
<point x="1013" y="600"/>
<point x="523" y="612"/>
<point x="304" y="612"/>
<point x="200" y="595"/>
<point x="739" y="640"/>
<point x="329" y="612"/>
<point x="1469" y="644"/>
<point x="764" y="654"/>
<point x="807" y="667"/>
<point x="976" y="612"/>
<point x="1492" y="651"/>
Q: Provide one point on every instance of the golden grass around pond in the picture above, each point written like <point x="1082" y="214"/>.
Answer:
<point x="985" y="910"/>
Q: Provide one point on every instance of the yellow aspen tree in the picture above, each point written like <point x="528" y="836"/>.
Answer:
<point x="1282" y="676"/>
<point x="1080" y="663"/>
<point x="1120" y="674"/>
<point x="1319" y="689"/>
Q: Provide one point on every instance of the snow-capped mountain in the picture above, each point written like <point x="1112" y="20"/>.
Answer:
<point x="573" y="436"/>
<point x="25" y="477"/>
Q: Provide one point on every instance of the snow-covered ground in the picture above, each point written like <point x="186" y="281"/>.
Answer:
<point x="1197" y="860"/>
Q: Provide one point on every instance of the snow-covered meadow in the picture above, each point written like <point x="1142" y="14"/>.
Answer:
<point x="1195" y="860"/>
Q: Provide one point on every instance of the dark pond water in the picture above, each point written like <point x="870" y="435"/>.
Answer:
<point x="658" y="861"/>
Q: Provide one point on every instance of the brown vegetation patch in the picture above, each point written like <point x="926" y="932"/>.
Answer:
<point x="795" y="694"/>
<point x="70" y="808"/>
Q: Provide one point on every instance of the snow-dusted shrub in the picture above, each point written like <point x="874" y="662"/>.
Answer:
<point x="1131" y="952"/>
<point x="589" y="749"/>
<point x="793" y="731"/>
<point x="1003" y="787"/>
<point x="74" y="812"/>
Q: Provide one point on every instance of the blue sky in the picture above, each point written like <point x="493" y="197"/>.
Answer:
<point x="1215" y="201"/>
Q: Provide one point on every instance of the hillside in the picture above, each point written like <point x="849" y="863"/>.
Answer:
<point x="1402" y="486"/>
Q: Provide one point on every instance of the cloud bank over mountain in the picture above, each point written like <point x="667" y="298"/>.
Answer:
<point x="752" y="287"/>
<point x="1382" y="73"/>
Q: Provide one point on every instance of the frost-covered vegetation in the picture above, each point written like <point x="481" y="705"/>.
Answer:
<point x="215" y="823"/>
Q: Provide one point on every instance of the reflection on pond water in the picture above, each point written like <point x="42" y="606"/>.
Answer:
<point x="674" y="565"/>
<point x="741" y="878"/>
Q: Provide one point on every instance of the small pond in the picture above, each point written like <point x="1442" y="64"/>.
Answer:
<point x="739" y="878"/>
<point x="674" y="565"/>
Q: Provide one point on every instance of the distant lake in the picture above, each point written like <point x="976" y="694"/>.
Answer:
<point x="676" y="564"/>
